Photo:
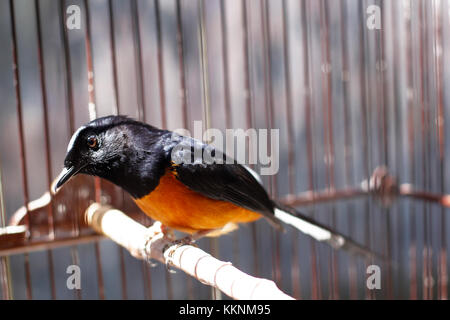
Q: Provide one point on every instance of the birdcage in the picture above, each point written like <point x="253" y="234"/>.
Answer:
<point x="355" y="89"/>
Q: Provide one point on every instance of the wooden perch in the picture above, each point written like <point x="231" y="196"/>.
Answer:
<point x="145" y="243"/>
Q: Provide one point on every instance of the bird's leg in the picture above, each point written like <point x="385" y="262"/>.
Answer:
<point x="199" y="234"/>
<point x="191" y="239"/>
<point x="168" y="232"/>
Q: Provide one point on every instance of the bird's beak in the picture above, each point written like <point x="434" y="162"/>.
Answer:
<point x="64" y="176"/>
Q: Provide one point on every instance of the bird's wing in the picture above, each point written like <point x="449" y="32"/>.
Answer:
<point x="227" y="182"/>
<point x="220" y="181"/>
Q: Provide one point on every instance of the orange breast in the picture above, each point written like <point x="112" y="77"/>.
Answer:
<point x="178" y="207"/>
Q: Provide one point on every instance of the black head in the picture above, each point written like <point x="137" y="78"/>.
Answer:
<point x="109" y="148"/>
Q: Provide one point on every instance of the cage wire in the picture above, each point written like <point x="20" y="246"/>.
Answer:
<point x="347" y="99"/>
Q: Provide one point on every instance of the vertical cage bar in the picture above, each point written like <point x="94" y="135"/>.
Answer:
<point x="348" y="141"/>
<point x="365" y="115"/>
<point x="328" y="135"/>
<point x="269" y="109"/>
<point x="267" y="44"/>
<point x="227" y="102"/>
<point x="413" y="288"/>
<point x="68" y="68"/>
<point x="204" y="70"/>
<point x="50" y="214"/>
<point x="247" y="41"/>
<point x="427" y="154"/>
<point x="92" y="115"/>
<point x="181" y="59"/>
<point x="426" y="293"/>
<point x="288" y="95"/>
<point x="226" y="86"/>
<point x="25" y="188"/>
<point x="140" y="94"/>
<point x="112" y="41"/>
<point x="309" y="116"/>
<point x="439" y="10"/>
<point x="382" y="84"/>
<point x="5" y="272"/>
<point x="295" y="270"/>
<point x="70" y="111"/>
<point x="140" y="83"/>
<point x="20" y="117"/>
<point x="204" y="67"/>
<point x="183" y="97"/>
<point x="123" y="275"/>
<point x="396" y="22"/>
<point x="162" y="97"/>
<point x="162" y="91"/>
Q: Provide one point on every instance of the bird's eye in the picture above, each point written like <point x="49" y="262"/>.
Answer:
<point x="92" y="142"/>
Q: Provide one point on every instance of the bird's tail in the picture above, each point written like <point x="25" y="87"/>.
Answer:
<point x="319" y="231"/>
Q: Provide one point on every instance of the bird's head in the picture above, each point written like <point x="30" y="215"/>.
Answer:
<point x="105" y="147"/>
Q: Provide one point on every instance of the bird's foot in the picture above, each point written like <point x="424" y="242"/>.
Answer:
<point x="168" y="233"/>
<point x="171" y="248"/>
<point x="188" y="240"/>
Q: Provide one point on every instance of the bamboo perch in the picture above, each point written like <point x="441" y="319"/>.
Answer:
<point x="145" y="243"/>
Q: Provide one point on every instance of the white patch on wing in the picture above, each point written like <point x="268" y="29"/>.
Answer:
<point x="254" y="174"/>
<point x="318" y="233"/>
<point x="74" y="137"/>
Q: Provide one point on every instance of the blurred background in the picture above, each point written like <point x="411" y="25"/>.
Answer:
<point x="351" y="85"/>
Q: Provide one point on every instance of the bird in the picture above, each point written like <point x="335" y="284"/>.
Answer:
<point x="169" y="182"/>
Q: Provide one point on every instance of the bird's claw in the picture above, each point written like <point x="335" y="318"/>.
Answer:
<point x="171" y="248"/>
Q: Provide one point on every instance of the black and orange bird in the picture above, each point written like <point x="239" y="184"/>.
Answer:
<point x="196" y="197"/>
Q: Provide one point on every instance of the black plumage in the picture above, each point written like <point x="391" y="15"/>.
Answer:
<point x="135" y="155"/>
